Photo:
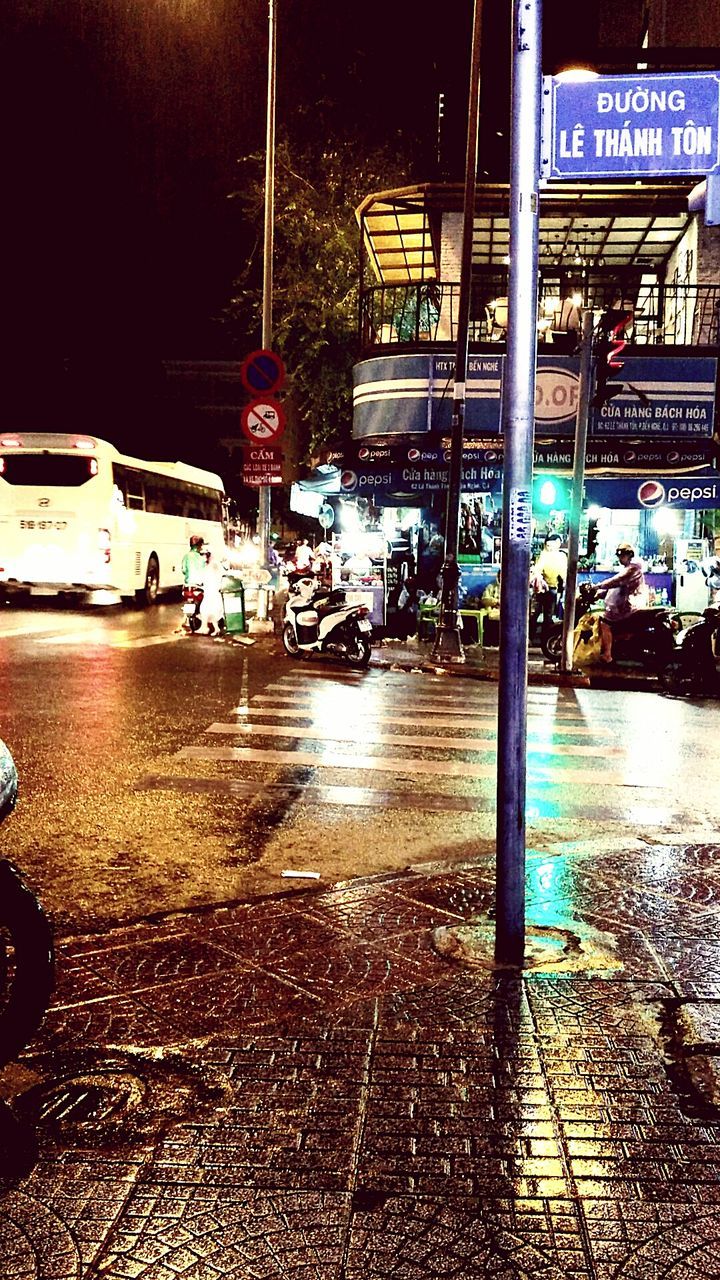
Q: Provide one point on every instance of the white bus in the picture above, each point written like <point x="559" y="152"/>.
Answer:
<point x="78" y="517"/>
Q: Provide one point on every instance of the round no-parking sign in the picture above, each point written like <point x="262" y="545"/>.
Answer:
<point x="263" y="421"/>
<point x="262" y="373"/>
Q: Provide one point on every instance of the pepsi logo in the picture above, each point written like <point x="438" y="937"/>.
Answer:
<point x="446" y="455"/>
<point x="673" y="456"/>
<point x="651" y="493"/>
<point x="413" y="455"/>
<point x="490" y="455"/>
<point x="629" y="456"/>
<point x="363" y="453"/>
<point x="348" y="481"/>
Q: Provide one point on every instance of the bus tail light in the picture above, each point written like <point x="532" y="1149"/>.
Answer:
<point x="10" y="442"/>
<point x="104" y="544"/>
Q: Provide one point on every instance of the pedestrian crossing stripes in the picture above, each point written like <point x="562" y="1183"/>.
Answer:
<point x="487" y="709"/>
<point x="108" y="641"/>
<point x="363" y="734"/>
<point x="461" y="719"/>
<point x="377" y="724"/>
<point x="403" y="765"/>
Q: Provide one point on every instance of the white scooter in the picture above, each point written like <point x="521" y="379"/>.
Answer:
<point x="319" y="620"/>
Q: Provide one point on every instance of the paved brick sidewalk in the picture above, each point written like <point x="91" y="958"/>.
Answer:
<point x="303" y="1087"/>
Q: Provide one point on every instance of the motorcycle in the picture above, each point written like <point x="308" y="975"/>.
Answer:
<point x="695" y="667"/>
<point x="319" y="620"/>
<point x="192" y="599"/>
<point x="647" y="637"/>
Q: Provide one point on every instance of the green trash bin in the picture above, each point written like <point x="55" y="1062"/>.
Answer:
<point x="233" y="598"/>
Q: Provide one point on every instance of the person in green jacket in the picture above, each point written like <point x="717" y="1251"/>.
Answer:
<point x="194" y="562"/>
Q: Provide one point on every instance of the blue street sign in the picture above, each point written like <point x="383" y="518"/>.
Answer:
<point x="631" y="126"/>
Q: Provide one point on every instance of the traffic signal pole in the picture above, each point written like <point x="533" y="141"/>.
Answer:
<point x="448" y="645"/>
<point x="578" y="481"/>
<point x="518" y="417"/>
<point x="264" y="500"/>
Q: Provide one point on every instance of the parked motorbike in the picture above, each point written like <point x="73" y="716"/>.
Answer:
<point x="319" y="620"/>
<point x="695" y="667"/>
<point x="192" y="600"/>
<point x="646" y="637"/>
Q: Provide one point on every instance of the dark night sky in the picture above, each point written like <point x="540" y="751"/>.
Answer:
<point x="124" y="120"/>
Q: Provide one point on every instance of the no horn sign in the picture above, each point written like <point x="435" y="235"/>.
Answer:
<point x="262" y="421"/>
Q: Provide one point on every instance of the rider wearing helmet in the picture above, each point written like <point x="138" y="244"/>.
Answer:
<point x="618" y="592"/>
<point x="194" y="562"/>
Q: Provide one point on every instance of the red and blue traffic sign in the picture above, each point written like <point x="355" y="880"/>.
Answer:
<point x="262" y="421"/>
<point x="262" y="372"/>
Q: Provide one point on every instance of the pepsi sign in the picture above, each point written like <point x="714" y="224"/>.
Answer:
<point x="651" y="494"/>
<point x="695" y="492"/>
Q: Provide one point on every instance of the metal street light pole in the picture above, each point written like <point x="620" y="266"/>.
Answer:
<point x="581" y="432"/>
<point x="264" y="506"/>
<point x="448" y="645"/>
<point x="518" y="419"/>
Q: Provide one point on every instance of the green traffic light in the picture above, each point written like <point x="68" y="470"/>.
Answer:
<point x="548" y="493"/>
<point x="551" y="493"/>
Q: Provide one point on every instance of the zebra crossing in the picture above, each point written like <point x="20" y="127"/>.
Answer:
<point x="72" y="631"/>
<point x="439" y="734"/>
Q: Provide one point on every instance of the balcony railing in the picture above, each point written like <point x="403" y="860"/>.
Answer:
<point x="418" y="313"/>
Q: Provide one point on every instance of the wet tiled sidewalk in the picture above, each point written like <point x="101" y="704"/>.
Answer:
<point x="303" y="1087"/>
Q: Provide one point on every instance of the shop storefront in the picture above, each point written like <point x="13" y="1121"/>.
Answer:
<point x="388" y="512"/>
<point x="650" y="475"/>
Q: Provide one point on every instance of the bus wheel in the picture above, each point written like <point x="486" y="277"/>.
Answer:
<point x="149" y="593"/>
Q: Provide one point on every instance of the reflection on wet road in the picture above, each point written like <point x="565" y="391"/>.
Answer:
<point x="593" y="753"/>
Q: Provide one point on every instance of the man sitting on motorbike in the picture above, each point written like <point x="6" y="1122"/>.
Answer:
<point x="194" y="562"/>
<point x="618" y="592"/>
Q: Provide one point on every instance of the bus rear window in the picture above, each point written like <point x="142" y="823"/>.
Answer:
<point x="45" y="469"/>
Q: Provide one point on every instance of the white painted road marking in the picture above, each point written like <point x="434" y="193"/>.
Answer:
<point x="395" y="764"/>
<point x="460" y="719"/>
<point x="326" y="732"/>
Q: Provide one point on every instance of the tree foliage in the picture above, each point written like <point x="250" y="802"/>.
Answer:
<point x="315" y="275"/>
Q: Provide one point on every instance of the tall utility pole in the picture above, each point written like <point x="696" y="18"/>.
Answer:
<point x="448" y="645"/>
<point x="518" y="417"/>
<point x="264" y="507"/>
<point x="581" y="433"/>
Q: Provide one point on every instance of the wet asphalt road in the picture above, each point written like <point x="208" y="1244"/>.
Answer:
<point x="331" y="1082"/>
<point x="161" y="772"/>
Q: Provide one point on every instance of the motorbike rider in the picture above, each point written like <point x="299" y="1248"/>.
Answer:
<point x="618" y="592"/>
<point x="550" y="573"/>
<point x="194" y="562"/>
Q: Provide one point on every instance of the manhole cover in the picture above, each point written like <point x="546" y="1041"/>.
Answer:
<point x="96" y="1099"/>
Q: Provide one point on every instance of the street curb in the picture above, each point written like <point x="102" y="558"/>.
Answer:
<point x="489" y="674"/>
<point x="619" y="680"/>
<point x="612" y="681"/>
